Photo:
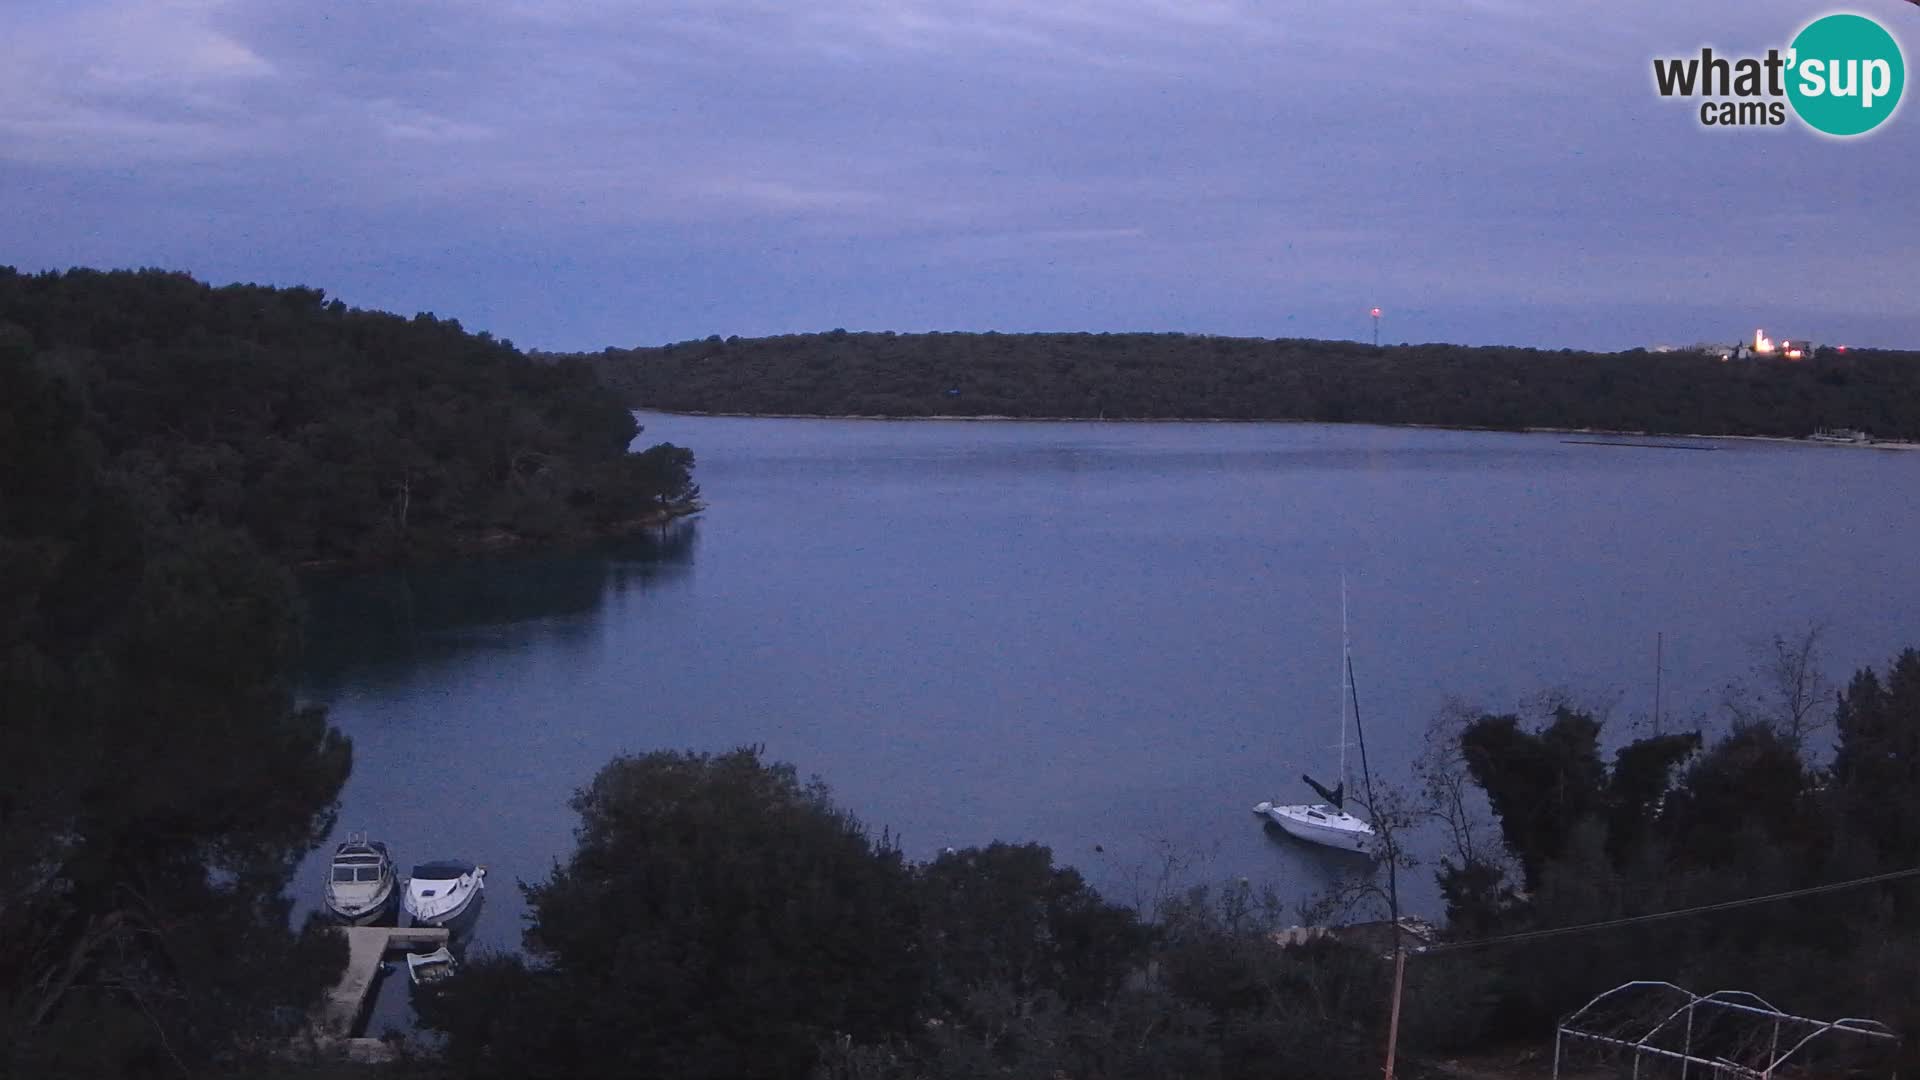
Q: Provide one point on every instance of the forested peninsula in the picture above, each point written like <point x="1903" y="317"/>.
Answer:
<point x="168" y="451"/>
<point x="331" y="434"/>
<point x="1193" y="376"/>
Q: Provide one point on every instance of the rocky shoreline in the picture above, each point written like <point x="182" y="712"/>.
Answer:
<point x="503" y="542"/>
<point x="990" y="418"/>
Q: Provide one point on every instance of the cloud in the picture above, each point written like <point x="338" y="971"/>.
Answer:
<point x="160" y="45"/>
<point x="1184" y="159"/>
<point x="417" y="125"/>
<point x="124" y="80"/>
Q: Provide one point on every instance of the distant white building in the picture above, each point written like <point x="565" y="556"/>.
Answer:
<point x="1709" y="348"/>
<point x="1761" y="345"/>
<point x="1787" y="348"/>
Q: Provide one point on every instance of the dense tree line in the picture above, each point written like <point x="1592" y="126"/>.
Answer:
<point x="721" y="918"/>
<point x="1169" y="376"/>
<point x="167" y="450"/>
<point x="158" y="785"/>
<point x="330" y="433"/>
<point x="1775" y="801"/>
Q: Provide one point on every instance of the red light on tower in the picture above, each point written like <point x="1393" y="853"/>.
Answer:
<point x="1376" y="327"/>
<point x="1376" y="313"/>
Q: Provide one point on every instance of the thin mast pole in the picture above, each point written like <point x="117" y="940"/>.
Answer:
<point x="1346" y="677"/>
<point x="1659" y="649"/>
<point x="1393" y="879"/>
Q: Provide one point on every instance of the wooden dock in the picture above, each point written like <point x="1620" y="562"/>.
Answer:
<point x="340" y="1011"/>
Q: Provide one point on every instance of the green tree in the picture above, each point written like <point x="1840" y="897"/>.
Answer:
<point x="159" y="786"/>
<point x="1637" y="786"/>
<point x="718" y="918"/>
<point x="1540" y="784"/>
<point x="1751" y="781"/>
<point x="1005" y="915"/>
<point x="1876" y="763"/>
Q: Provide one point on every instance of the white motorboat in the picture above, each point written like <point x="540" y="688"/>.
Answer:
<point x="1328" y="823"/>
<point x="426" y="969"/>
<point x="440" y="892"/>
<point x="360" y="882"/>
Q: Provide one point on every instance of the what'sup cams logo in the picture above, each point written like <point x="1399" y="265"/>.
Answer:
<point x="1842" y="76"/>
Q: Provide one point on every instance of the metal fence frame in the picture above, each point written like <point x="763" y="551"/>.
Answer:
<point x="1766" y="1050"/>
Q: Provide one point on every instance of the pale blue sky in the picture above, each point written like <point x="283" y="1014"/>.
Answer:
<point x="575" y="175"/>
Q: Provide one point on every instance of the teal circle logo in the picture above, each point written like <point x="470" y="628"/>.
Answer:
<point x="1845" y="74"/>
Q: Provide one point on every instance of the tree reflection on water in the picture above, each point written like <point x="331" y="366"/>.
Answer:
<point x="361" y="627"/>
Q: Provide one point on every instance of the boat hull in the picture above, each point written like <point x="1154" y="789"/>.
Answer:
<point x="442" y="918"/>
<point x="1300" y="822"/>
<point x="425" y="969"/>
<point x="465" y="895"/>
<point x="356" y="915"/>
<point x="359" y="899"/>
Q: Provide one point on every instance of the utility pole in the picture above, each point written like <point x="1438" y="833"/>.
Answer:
<point x="1399" y="978"/>
<point x="1385" y="830"/>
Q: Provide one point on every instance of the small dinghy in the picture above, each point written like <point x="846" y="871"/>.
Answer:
<point x="360" y="883"/>
<point x="440" y="892"/>
<point x="425" y="969"/>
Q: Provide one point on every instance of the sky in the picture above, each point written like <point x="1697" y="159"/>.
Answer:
<point x="577" y="175"/>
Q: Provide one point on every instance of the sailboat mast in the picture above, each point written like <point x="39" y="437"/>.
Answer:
<point x="1346" y="650"/>
<point x="1659" y="648"/>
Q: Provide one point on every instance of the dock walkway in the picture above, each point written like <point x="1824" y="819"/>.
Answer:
<point x="340" y="1011"/>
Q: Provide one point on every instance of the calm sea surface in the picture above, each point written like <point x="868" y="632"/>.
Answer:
<point x="1108" y="638"/>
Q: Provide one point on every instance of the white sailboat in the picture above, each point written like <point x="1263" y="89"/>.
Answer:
<point x="1328" y="823"/>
